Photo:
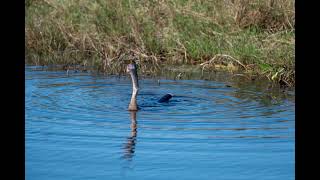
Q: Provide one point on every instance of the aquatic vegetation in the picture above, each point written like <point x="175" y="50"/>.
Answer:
<point x="252" y="37"/>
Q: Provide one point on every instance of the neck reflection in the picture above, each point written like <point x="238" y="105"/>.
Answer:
<point x="129" y="146"/>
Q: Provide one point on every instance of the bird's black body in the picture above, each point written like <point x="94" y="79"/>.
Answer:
<point x="165" y="98"/>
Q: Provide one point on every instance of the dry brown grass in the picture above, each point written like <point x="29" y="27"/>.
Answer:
<point x="251" y="36"/>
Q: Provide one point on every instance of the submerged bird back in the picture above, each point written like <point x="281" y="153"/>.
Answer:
<point x="165" y="98"/>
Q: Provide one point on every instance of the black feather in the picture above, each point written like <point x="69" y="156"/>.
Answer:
<point x="165" y="98"/>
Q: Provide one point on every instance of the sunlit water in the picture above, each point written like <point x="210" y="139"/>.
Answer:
<point x="78" y="127"/>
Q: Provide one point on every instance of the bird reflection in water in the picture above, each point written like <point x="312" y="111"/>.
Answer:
<point x="129" y="146"/>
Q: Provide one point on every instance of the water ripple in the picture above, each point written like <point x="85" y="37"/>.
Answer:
<point x="85" y="117"/>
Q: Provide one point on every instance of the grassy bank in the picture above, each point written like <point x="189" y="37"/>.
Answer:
<point x="255" y="37"/>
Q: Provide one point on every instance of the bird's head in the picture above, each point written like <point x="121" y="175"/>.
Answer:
<point x="132" y="67"/>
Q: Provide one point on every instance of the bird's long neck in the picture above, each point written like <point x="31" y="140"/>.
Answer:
<point x="133" y="106"/>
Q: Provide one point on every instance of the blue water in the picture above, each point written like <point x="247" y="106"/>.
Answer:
<point x="78" y="127"/>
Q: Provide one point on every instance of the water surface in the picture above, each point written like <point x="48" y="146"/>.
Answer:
<point x="78" y="127"/>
